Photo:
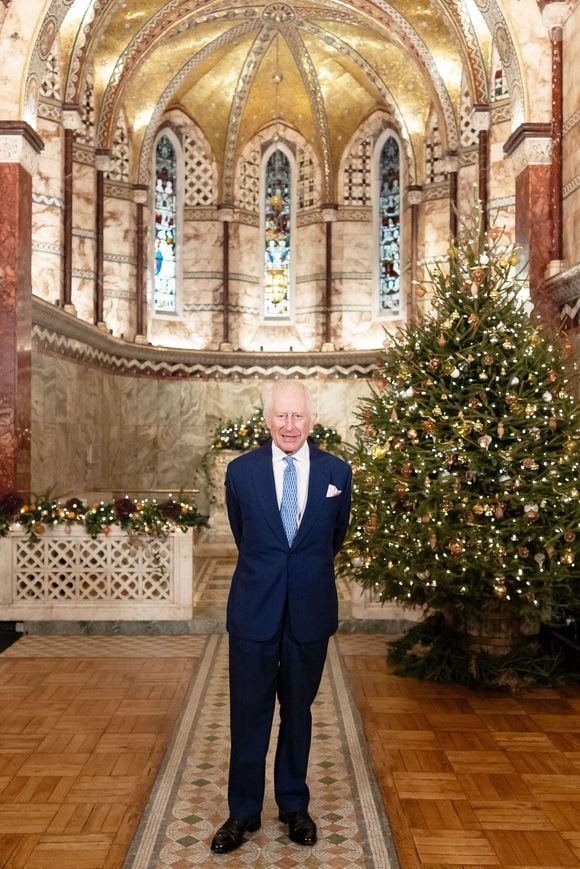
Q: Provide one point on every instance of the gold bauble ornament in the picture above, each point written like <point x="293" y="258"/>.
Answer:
<point x="567" y="557"/>
<point x="500" y="589"/>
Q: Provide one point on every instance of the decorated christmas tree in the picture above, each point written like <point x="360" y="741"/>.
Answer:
<point x="466" y="468"/>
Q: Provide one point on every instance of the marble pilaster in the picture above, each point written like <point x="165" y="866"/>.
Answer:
<point x="19" y="145"/>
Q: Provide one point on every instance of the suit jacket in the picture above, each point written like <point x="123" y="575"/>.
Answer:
<point x="270" y="574"/>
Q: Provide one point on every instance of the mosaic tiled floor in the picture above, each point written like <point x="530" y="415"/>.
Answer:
<point x="189" y="798"/>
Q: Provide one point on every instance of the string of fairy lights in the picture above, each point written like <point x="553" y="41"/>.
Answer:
<point x="466" y="474"/>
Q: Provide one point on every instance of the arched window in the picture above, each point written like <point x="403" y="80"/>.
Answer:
<point x="165" y="257"/>
<point x="277" y="234"/>
<point x="389" y="226"/>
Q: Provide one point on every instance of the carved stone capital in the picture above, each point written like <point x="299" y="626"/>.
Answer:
<point x="554" y="15"/>
<point x="529" y="145"/>
<point x="71" y="117"/>
<point x="415" y="194"/>
<point x="140" y="194"/>
<point x="19" y="143"/>
<point x="329" y="213"/>
<point x="103" y="161"/>
<point x="481" y="117"/>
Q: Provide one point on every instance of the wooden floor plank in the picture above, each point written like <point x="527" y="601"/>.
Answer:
<point x="468" y="778"/>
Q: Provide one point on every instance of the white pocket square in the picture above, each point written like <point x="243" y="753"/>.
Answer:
<point x="332" y="491"/>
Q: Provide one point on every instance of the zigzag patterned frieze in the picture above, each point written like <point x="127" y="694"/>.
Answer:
<point x="571" y="122"/>
<point x="57" y="332"/>
<point x="571" y="187"/>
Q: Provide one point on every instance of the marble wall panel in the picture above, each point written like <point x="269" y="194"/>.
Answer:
<point x="47" y="215"/>
<point x="571" y="141"/>
<point x="84" y="181"/>
<point x="202" y="249"/>
<point x="533" y="49"/>
<point x="83" y="291"/>
<point x="119" y="269"/>
<point x="467" y="190"/>
<point x="434" y="240"/>
<point x="95" y="431"/>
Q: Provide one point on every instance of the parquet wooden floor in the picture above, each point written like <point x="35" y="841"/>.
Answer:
<point x="469" y="779"/>
<point x="81" y="741"/>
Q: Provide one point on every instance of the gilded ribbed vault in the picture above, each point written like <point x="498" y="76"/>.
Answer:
<point x="319" y="67"/>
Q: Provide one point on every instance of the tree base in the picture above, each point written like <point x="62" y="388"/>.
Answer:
<point x="435" y="652"/>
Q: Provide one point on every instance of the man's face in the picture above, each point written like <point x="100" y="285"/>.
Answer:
<point x="289" y="419"/>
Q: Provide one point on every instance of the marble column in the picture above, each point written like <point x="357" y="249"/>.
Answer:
<point x="481" y="122"/>
<point x="71" y="121"/>
<point x="329" y="213"/>
<point x="452" y="168"/>
<point x="226" y="215"/>
<point x="19" y="147"/>
<point x="554" y="15"/>
<point x="529" y="149"/>
<point x="102" y="164"/>
<point x="140" y="196"/>
<point x="414" y="198"/>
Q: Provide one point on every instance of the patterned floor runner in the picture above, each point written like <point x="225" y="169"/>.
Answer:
<point x="189" y="798"/>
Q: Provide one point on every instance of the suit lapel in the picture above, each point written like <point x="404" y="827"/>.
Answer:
<point x="263" y="474"/>
<point x="319" y="478"/>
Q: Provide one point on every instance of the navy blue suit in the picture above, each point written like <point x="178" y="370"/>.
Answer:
<point x="282" y="609"/>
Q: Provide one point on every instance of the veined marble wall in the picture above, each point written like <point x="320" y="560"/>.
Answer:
<point x="47" y="208"/>
<point x="119" y="264"/>
<point x="95" y="431"/>
<point x="571" y="143"/>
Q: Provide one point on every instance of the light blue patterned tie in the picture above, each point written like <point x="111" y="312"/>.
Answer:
<point x="289" y="505"/>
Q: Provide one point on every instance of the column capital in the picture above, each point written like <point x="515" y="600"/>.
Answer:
<point x="71" y="116"/>
<point x="554" y="15"/>
<point x="329" y="212"/>
<point x="140" y="194"/>
<point x="415" y="194"/>
<point x="226" y="212"/>
<point x="529" y="145"/>
<point x="481" y="117"/>
<point x="103" y="161"/>
<point x="451" y="161"/>
<point x="19" y="143"/>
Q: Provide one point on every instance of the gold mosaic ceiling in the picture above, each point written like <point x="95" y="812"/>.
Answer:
<point x="318" y="66"/>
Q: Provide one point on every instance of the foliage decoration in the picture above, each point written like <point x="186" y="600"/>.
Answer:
<point x="243" y="435"/>
<point x="466" y="465"/>
<point x="146" y="516"/>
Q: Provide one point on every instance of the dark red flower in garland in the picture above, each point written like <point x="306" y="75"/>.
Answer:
<point x="170" y="510"/>
<point x="124" y="508"/>
<point x="10" y="504"/>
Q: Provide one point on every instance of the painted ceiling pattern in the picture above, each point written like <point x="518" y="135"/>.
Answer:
<point x="318" y="67"/>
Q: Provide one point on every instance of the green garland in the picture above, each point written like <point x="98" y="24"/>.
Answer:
<point x="243" y="435"/>
<point x="136" y="516"/>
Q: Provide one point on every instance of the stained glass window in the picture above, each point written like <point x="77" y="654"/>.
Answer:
<point x="389" y="228"/>
<point x="277" y="256"/>
<point x="165" y="270"/>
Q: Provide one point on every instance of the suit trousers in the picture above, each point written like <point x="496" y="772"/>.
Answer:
<point x="260" y="672"/>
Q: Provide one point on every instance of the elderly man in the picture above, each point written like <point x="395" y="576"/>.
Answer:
<point x="288" y="505"/>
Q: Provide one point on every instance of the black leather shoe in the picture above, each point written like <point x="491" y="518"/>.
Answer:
<point x="231" y="834"/>
<point x="301" y="827"/>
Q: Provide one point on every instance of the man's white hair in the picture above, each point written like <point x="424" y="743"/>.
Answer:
<point x="279" y="386"/>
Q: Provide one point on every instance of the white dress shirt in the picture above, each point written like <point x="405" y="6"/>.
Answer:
<point x="302" y="465"/>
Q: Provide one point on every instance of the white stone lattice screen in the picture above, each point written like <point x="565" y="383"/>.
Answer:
<point x="66" y="574"/>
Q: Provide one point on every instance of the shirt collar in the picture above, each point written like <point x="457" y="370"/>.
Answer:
<point x="303" y="454"/>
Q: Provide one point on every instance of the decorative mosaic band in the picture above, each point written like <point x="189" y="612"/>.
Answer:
<point x="55" y="331"/>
